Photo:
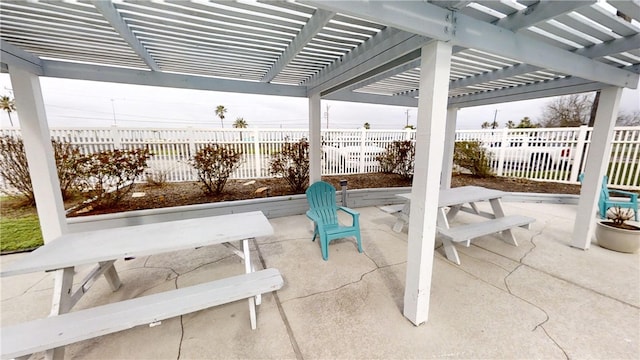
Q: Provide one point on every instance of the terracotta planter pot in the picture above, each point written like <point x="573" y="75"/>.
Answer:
<point x="613" y="238"/>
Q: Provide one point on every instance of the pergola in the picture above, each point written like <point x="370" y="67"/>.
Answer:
<point x="437" y="55"/>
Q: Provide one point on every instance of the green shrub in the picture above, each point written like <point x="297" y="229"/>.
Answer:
<point x="292" y="163"/>
<point x="14" y="168"/>
<point x="107" y="176"/>
<point x="69" y="162"/>
<point x="214" y="164"/>
<point x="472" y="156"/>
<point x="399" y="157"/>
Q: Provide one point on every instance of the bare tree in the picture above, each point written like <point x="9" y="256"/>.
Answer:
<point x="628" y="119"/>
<point x="567" y="111"/>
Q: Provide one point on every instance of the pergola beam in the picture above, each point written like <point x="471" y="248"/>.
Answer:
<point x="317" y="21"/>
<point x="110" y="13"/>
<point x="441" y="24"/>
<point x="565" y="86"/>
<point x="561" y="87"/>
<point x="154" y="78"/>
<point x="386" y="46"/>
<point x="359" y="97"/>
<point x="539" y="12"/>
<point x="14" y="56"/>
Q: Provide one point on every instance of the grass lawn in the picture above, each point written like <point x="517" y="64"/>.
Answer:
<point x="19" y="226"/>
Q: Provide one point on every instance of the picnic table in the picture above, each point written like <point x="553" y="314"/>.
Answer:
<point x="103" y="248"/>
<point x="454" y="200"/>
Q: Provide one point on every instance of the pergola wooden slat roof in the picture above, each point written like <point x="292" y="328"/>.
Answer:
<point x="436" y="55"/>
<point x="313" y="44"/>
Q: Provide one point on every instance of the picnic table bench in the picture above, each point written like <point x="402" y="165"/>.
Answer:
<point x="455" y="200"/>
<point x="104" y="247"/>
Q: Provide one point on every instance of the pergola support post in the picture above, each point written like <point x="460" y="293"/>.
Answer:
<point x="596" y="166"/>
<point x="430" y="134"/>
<point x="42" y="169"/>
<point x="315" y="139"/>
<point x="449" y="147"/>
<point x="37" y="144"/>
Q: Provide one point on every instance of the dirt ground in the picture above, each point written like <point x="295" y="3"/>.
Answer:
<point x="188" y="193"/>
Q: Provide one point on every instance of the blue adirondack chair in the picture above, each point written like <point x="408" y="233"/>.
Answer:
<point x="606" y="202"/>
<point x="323" y="211"/>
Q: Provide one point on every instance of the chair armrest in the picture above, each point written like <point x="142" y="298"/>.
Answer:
<point x="632" y="195"/>
<point x="349" y="211"/>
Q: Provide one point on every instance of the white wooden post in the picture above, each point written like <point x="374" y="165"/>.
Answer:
<point x="256" y="152"/>
<point x="191" y="138"/>
<point x="363" y="137"/>
<point x="116" y="138"/>
<point x="449" y="148"/>
<point x="407" y="134"/>
<point x="596" y="165"/>
<point x="504" y="142"/>
<point x="42" y="169"/>
<point x="315" y="148"/>
<point x="430" y="134"/>
<point x="39" y="151"/>
<point x="578" y="153"/>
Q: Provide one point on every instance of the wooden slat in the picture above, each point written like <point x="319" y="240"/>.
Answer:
<point x="56" y="331"/>
<point x="471" y="231"/>
<point x="92" y="247"/>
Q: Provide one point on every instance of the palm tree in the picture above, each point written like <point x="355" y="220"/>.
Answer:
<point x="367" y="126"/>
<point x="240" y="123"/>
<point x="510" y="124"/>
<point x="220" y="110"/>
<point x="7" y="104"/>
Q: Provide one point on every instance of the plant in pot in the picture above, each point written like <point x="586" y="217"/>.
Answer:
<point x="616" y="233"/>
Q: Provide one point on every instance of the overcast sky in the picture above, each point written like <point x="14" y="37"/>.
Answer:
<point x="72" y="103"/>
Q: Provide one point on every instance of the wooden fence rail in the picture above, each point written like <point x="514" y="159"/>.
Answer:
<point x="549" y="154"/>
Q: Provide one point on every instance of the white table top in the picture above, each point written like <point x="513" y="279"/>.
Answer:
<point x="91" y="247"/>
<point x="463" y="195"/>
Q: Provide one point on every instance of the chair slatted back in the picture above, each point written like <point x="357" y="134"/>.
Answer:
<point x="604" y="191"/>
<point x="322" y="200"/>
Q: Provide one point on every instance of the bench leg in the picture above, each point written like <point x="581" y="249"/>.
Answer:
<point x="453" y="211"/>
<point x="397" y="227"/>
<point x="449" y="248"/>
<point x="450" y="251"/>
<point x="62" y="303"/>
<point x="507" y="235"/>
<point x="248" y="267"/>
<point x="112" y="277"/>
<point x="402" y="217"/>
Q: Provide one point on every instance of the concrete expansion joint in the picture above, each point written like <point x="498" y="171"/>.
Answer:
<point x="564" y="352"/>
<point x="209" y="263"/>
<point x="283" y="315"/>
<point x="533" y="246"/>
<point x="546" y="314"/>
<point x="485" y="260"/>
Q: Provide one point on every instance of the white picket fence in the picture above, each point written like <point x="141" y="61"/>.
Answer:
<point x="172" y="149"/>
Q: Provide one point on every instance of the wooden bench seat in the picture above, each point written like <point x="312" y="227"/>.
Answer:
<point x="470" y="231"/>
<point x="56" y="331"/>
<point x="464" y="233"/>
<point x="392" y="209"/>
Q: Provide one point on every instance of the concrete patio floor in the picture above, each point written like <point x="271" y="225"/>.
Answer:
<point x="542" y="299"/>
